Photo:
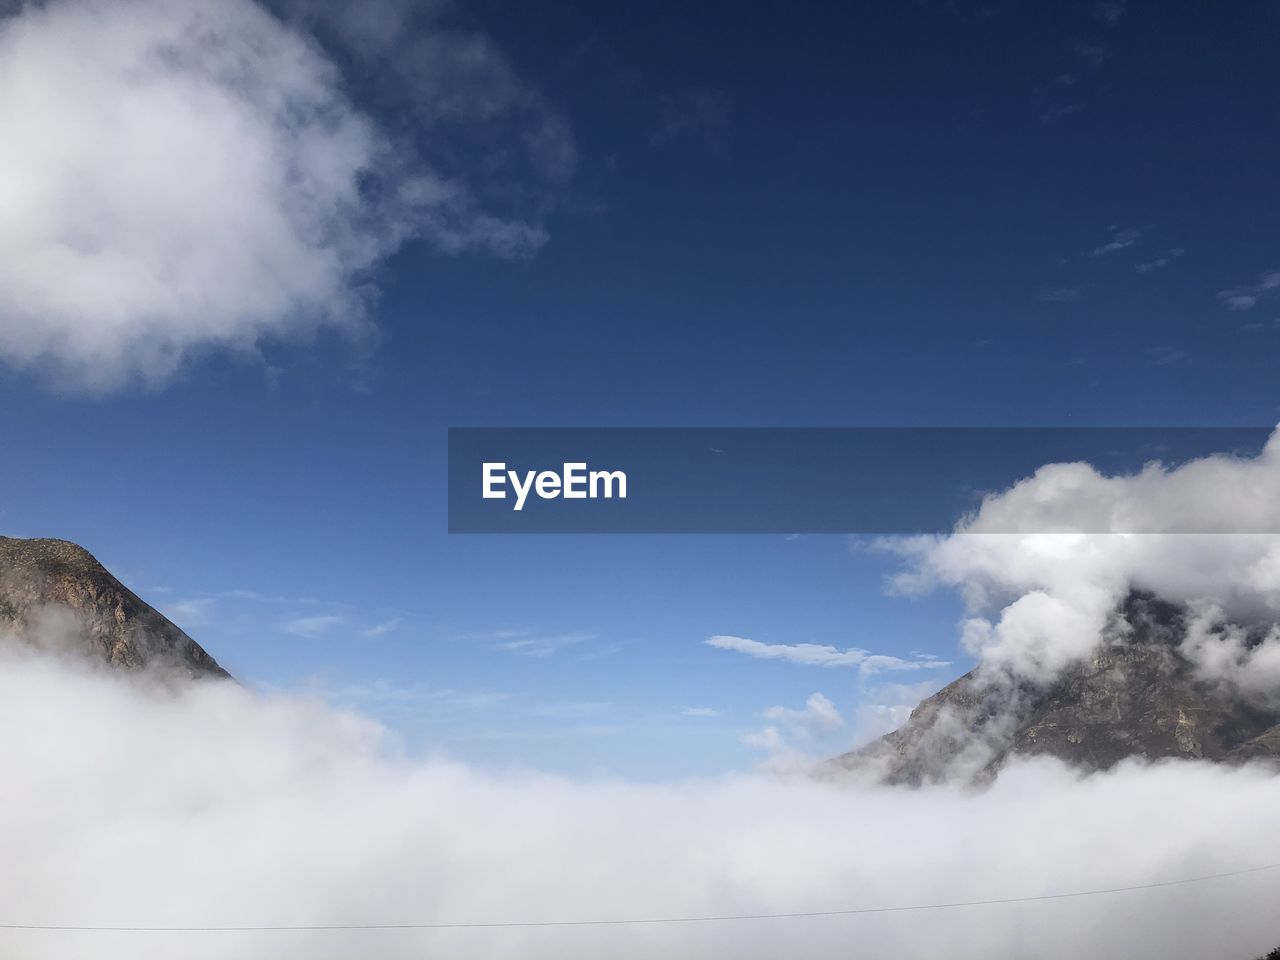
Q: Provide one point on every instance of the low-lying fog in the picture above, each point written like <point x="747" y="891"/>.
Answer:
<point x="129" y="802"/>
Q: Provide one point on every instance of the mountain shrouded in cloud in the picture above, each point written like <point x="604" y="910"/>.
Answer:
<point x="1097" y="646"/>
<point x="1139" y="693"/>
<point x="180" y="177"/>
<point x="1040" y="599"/>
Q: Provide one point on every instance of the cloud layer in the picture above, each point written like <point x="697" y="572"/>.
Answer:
<point x="128" y="803"/>
<point x="178" y="177"/>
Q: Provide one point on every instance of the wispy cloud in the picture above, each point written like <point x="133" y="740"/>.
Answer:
<point x="540" y="646"/>
<point x="1090" y="54"/>
<point x="1249" y="295"/>
<point x="1109" y="11"/>
<point x="383" y="628"/>
<point x="821" y="655"/>
<point x="570" y="709"/>
<point x="312" y="626"/>
<point x="1160" y="262"/>
<point x="698" y="116"/>
<point x="699" y="712"/>
<point x="1060" y="295"/>
<point x="1060" y="112"/>
<point x="1255" y="326"/>
<point x="1086" y="56"/>
<point x="385" y="694"/>
<point x="1120" y="240"/>
<point x="1166" y="356"/>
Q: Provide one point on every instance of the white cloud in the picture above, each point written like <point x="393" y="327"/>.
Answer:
<point x="1044" y="564"/>
<point x="821" y="655"/>
<point x="180" y="177"/>
<point x="209" y="805"/>
<point x="541" y="646"/>
<point x="384" y="627"/>
<point x="1226" y="653"/>
<point x="1249" y="295"/>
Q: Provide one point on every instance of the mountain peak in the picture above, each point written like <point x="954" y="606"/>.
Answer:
<point x="1135" y="696"/>
<point x="55" y="592"/>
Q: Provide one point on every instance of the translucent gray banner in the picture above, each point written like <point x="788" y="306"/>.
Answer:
<point x="862" y="480"/>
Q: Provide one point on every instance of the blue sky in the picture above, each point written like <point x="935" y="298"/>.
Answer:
<point x="889" y="214"/>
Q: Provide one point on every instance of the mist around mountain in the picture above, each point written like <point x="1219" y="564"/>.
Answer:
<point x="1137" y="694"/>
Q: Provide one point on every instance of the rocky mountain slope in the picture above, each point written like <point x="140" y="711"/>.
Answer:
<point x="54" y="593"/>
<point x="1136" y="696"/>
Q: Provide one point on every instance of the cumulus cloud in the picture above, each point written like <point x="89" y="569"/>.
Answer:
<point x="179" y="177"/>
<point x="821" y="655"/>
<point x="1043" y="565"/>
<point x="128" y="803"/>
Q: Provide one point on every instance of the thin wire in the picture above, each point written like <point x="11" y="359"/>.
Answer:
<point x="493" y="925"/>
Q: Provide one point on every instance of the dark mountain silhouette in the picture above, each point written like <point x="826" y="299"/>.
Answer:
<point x="53" y="593"/>
<point x="1137" y="696"/>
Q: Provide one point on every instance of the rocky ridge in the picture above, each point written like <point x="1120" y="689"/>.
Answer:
<point x="54" y="593"/>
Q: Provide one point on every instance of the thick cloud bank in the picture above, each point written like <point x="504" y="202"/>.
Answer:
<point x="178" y="176"/>
<point x="127" y="803"/>
<point x="1041" y="601"/>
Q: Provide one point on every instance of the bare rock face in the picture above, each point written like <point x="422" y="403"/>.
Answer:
<point x="1137" y="696"/>
<point x="53" y="593"/>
